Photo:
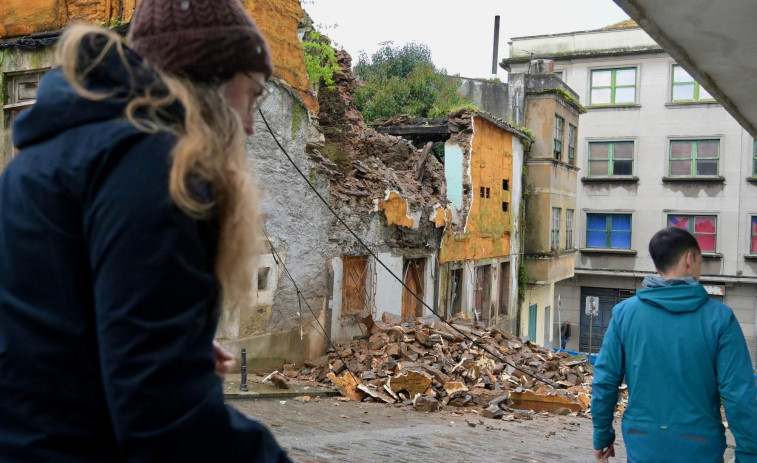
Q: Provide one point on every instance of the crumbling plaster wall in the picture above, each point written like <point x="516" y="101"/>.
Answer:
<point x="283" y="330"/>
<point x="489" y="95"/>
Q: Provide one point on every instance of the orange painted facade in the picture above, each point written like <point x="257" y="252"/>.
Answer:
<point x="487" y="232"/>
<point x="395" y="209"/>
<point x="277" y="19"/>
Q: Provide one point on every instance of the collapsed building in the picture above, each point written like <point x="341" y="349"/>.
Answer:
<point x="483" y="231"/>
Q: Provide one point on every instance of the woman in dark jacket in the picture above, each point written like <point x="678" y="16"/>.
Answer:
<point x="125" y="218"/>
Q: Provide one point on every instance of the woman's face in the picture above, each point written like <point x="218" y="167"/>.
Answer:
<point x="243" y="91"/>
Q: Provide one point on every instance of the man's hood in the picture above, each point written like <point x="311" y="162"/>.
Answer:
<point x="676" y="299"/>
<point x="59" y="107"/>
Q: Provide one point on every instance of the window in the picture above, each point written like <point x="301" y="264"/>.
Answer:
<point x="613" y="86"/>
<point x="754" y="158"/>
<point x="263" y="278"/>
<point x="572" y="137"/>
<point x="569" y="228"/>
<point x="685" y="88"/>
<point x="753" y="236"/>
<point x="22" y="92"/>
<point x="703" y="227"/>
<point x="610" y="159"/>
<point x="608" y="231"/>
<point x="560" y="74"/>
<point x="694" y="157"/>
<point x="559" y="125"/>
<point x="554" y="240"/>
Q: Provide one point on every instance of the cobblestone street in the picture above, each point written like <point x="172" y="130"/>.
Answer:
<point x="335" y="431"/>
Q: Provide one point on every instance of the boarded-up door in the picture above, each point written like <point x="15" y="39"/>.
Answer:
<point x="504" y="288"/>
<point x="455" y="291"/>
<point x="413" y="278"/>
<point x="483" y="292"/>
<point x="353" y="286"/>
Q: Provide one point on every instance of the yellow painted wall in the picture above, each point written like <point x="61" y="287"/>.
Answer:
<point x="487" y="233"/>
<point x="543" y="296"/>
<point x="395" y="209"/>
<point x="278" y="20"/>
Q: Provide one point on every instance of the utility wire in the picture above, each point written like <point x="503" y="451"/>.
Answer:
<point x="463" y="334"/>
<point x="301" y="297"/>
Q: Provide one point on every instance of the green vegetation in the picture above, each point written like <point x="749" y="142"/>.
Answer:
<point x="404" y="80"/>
<point x="320" y="60"/>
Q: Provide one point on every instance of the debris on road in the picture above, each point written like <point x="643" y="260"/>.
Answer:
<point x="427" y="364"/>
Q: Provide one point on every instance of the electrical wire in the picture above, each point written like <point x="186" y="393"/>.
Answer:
<point x="326" y="203"/>
<point x="301" y="297"/>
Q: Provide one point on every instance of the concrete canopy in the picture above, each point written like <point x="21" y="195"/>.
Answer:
<point x="713" y="41"/>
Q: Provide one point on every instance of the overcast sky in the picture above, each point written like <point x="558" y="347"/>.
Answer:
<point x="459" y="33"/>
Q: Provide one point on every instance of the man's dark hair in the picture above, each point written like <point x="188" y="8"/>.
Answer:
<point x="668" y="245"/>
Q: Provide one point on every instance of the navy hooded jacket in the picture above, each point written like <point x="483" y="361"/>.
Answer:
<point x="108" y="300"/>
<point x="680" y="353"/>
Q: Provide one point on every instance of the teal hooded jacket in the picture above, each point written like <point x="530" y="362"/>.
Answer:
<point x="680" y="353"/>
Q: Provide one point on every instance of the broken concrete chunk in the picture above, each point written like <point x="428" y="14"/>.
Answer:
<point x="347" y="385"/>
<point x="424" y="403"/>
<point x="414" y="382"/>
<point x="493" y="412"/>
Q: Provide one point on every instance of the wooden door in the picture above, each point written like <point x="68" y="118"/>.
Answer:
<point x="413" y="278"/>
<point x="353" y="285"/>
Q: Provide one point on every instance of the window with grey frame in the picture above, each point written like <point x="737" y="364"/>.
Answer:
<point x="559" y="128"/>
<point x="22" y="94"/>
<point x="569" y="229"/>
<point x="693" y="158"/>
<point x="572" y="142"/>
<point x="611" y="158"/>
<point x="554" y="238"/>
<point x="754" y="158"/>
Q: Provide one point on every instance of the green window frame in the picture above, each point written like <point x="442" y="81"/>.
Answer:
<point x="703" y="227"/>
<point x="560" y="74"/>
<point x="611" y="231"/>
<point x="613" y="86"/>
<point x="611" y="158"/>
<point x="684" y="89"/>
<point x="558" y="136"/>
<point x="694" y="158"/>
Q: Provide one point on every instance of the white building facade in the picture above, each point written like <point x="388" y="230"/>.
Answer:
<point x="655" y="150"/>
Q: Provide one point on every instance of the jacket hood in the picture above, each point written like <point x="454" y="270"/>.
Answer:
<point x="676" y="299"/>
<point x="59" y="107"/>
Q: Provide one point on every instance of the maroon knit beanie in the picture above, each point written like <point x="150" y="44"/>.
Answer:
<point x="206" y="40"/>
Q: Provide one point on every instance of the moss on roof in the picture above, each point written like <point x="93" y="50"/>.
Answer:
<point x="627" y="24"/>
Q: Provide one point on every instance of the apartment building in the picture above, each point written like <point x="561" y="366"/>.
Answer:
<point x="654" y="150"/>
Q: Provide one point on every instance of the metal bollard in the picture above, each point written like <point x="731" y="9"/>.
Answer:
<point x="243" y="387"/>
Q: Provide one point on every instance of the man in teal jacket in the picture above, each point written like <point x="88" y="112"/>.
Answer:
<point x="680" y="353"/>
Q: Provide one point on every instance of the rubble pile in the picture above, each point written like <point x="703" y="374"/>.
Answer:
<point x="427" y="364"/>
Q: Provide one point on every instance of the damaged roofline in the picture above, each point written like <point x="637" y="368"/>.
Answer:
<point x="504" y="125"/>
